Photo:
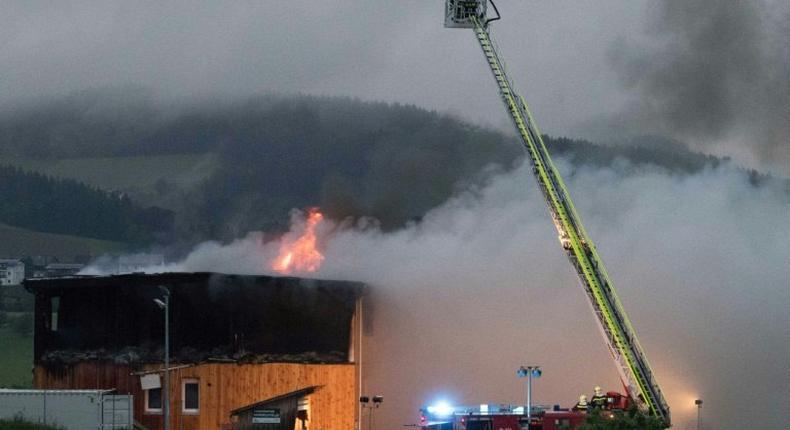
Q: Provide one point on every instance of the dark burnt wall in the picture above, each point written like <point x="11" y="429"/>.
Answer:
<point x="211" y="316"/>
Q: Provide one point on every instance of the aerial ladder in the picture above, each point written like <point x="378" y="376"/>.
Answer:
<point x="620" y="336"/>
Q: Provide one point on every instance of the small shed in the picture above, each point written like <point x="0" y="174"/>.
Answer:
<point x="276" y="413"/>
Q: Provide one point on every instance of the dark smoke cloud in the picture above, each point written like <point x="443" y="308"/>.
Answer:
<point x="714" y="73"/>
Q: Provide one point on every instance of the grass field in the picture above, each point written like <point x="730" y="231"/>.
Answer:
<point x="19" y="424"/>
<point x="16" y="360"/>
<point x="17" y="241"/>
<point x="15" y="298"/>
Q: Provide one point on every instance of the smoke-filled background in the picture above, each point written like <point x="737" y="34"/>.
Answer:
<point x="468" y="279"/>
<point x="481" y="286"/>
<point x="716" y="74"/>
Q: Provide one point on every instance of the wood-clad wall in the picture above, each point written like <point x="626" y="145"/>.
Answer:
<point x="223" y="387"/>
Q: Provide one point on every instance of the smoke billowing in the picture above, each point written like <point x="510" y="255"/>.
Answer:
<point x="480" y="286"/>
<point x="714" y="74"/>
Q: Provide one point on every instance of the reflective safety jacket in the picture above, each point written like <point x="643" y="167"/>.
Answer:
<point x="598" y="402"/>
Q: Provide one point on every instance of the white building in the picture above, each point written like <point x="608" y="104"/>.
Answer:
<point x="12" y="272"/>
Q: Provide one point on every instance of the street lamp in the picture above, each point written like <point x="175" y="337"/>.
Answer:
<point x="698" y="402"/>
<point x="164" y="304"/>
<point x="529" y="372"/>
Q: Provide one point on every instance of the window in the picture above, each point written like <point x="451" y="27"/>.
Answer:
<point x="55" y="308"/>
<point x="153" y="400"/>
<point x="190" y="396"/>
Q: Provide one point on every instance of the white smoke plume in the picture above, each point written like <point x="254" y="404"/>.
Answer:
<point x="481" y="286"/>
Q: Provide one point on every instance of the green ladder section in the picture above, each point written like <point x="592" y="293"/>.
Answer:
<point x="617" y="330"/>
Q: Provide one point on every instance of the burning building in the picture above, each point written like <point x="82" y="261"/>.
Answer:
<point x="235" y="342"/>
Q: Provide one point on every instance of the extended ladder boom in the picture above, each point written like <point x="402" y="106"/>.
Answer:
<point x="620" y="336"/>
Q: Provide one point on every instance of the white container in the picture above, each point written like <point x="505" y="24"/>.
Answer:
<point x="69" y="409"/>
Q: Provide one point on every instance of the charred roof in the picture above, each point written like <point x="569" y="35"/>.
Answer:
<point x="212" y="316"/>
<point x="178" y="278"/>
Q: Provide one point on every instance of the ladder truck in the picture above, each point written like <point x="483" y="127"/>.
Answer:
<point x="619" y="334"/>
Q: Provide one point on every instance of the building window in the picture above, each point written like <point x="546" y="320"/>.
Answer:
<point x="55" y="308"/>
<point x="153" y="401"/>
<point x="190" y="396"/>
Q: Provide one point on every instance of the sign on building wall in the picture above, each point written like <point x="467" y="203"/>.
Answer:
<point x="266" y="416"/>
<point x="150" y="382"/>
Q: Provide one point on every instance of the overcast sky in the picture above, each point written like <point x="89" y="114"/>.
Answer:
<point x="599" y="69"/>
<point x="397" y="51"/>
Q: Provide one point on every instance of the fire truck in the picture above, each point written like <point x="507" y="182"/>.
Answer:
<point x="443" y="416"/>
<point x="496" y="417"/>
<point x="640" y="384"/>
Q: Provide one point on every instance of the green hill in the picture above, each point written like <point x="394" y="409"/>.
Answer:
<point x="230" y="166"/>
<point x="42" y="203"/>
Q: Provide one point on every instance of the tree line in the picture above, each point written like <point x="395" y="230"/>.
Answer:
<point x="37" y="202"/>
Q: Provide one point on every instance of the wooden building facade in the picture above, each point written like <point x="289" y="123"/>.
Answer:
<point x="310" y="337"/>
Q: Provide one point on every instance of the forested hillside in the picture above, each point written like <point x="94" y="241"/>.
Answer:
<point x="270" y="154"/>
<point x="37" y="202"/>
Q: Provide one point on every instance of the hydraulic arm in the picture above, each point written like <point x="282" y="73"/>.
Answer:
<point x="617" y="330"/>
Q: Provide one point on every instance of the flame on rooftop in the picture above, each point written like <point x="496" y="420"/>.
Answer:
<point x="300" y="254"/>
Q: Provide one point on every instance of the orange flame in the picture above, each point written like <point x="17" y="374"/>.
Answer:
<point x="301" y="255"/>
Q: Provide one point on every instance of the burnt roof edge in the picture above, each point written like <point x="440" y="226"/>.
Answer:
<point x="169" y="278"/>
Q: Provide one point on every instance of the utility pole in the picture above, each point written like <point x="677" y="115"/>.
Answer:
<point x="698" y="402"/>
<point x="165" y="305"/>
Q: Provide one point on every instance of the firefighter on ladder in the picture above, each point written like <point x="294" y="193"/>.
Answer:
<point x="598" y="400"/>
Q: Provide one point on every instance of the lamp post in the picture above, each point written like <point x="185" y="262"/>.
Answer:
<point x="529" y="372"/>
<point x="698" y="402"/>
<point x="365" y="403"/>
<point x="164" y="304"/>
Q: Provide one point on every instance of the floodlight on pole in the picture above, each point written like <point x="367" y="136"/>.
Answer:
<point x="698" y="402"/>
<point x="371" y="403"/>
<point x="529" y="372"/>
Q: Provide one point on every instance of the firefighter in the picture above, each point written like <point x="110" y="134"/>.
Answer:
<point x="598" y="400"/>
<point x="582" y="406"/>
